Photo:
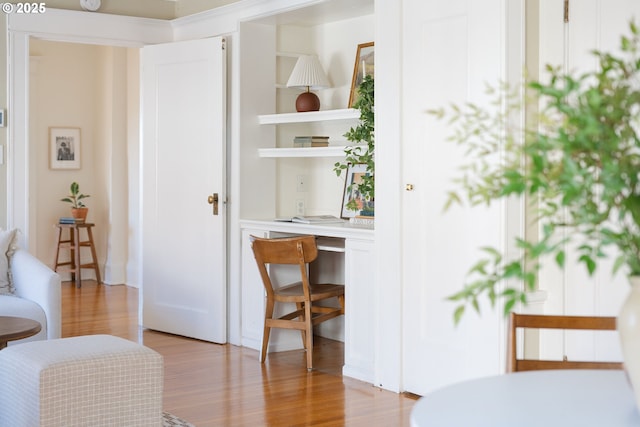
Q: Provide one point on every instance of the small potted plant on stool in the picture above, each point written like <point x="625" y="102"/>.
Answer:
<point x="78" y="209"/>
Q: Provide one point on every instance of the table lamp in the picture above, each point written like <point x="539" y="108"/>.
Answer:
<point x="308" y="74"/>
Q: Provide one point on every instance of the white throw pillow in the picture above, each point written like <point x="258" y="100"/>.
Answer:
<point x="8" y="245"/>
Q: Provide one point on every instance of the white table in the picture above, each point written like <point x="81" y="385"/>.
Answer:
<point x="598" y="398"/>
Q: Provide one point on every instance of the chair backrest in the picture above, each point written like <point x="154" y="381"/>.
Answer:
<point x="299" y="250"/>
<point x="555" y="322"/>
<point x="285" y="250"/>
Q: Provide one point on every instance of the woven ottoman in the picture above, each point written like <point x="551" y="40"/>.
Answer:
<point x="92" y="380"/>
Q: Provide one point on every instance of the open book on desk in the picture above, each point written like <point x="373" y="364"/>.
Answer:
<point x="317" y="219"/>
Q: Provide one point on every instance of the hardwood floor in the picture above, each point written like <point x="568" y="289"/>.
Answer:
<point x="224" y="385"/>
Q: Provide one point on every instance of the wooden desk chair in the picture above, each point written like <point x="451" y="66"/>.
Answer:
<point x="555" y="322"/>
<point x="294" y="251"/>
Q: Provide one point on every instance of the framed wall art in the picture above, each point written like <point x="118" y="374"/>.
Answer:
<point x="364" y="66"/>
<point x="64" y="148"/>
<point x="353" y="203"/>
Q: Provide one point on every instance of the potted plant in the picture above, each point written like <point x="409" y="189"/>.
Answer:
<point x="78" y="209"/>
<point x="580" y="163"/>
<point x="363" y="151"/>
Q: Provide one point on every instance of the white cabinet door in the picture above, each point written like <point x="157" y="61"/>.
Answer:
<point x="451" y="49"/>
<point x="360" y="303"/>
<point x="184" y="289"/>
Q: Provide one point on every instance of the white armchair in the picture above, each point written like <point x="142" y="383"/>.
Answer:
<point x="37" y="295"/>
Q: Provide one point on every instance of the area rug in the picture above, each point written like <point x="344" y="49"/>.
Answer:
<point x="169" y="420"/>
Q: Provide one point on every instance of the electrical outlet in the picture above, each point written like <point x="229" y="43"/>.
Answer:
<point x="300" y="207"/>
<point x="301" y="183"/>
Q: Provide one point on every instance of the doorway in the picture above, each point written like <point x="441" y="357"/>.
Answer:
<point x="94" y="89"/>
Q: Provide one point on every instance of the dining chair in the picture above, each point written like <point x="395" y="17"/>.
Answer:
<point x="300" y="251"/>
<point x="536" y="321"/>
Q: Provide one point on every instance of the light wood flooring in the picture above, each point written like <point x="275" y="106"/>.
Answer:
<point x="225" y="385"/>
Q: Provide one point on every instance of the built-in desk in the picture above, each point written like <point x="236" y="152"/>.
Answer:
<point x="347" y="256"/>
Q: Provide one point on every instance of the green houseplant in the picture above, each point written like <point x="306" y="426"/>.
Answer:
<point x="75" y="198"/>
<point x="363" y="151"/>
<point x="578" y="164"/>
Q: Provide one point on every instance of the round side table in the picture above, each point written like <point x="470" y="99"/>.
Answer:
<point x="16" y="328"/>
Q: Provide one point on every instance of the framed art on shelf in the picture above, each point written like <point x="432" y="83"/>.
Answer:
<point x="363" y="66"/>
<point x="353" y="203"/>
<point x="64" y="148"/>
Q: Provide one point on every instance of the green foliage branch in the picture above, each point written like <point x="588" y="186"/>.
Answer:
<point x="362" y="133"/>
<point x="578" y="163"/>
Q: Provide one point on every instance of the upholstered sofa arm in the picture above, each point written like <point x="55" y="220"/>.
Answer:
<point x="34" y="281"/>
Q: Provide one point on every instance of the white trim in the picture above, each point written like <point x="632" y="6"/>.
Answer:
<point x="225" y="19"/>
<point x="92" y="28"/>
<point x="388" y="289"/>
<point x="18" y="130"/>
<point x="221" y="20"/>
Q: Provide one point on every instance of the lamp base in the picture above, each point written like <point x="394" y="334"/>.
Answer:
<point x="307" y="101"/>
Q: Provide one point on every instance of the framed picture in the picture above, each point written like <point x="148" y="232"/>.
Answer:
<point x="353" y="204"/>
<point x="64" y="148"/>
<point x="364" y="66"/>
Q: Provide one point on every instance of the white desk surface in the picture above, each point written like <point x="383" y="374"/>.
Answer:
<point x="585" y="398"/>
<point x="343" y="229"/>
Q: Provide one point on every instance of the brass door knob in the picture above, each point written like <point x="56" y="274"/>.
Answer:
<point x="408" y="187"/>
<point x="213" y="200"/>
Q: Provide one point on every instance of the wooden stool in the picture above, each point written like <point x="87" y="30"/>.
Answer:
<point x="73" y="243"/>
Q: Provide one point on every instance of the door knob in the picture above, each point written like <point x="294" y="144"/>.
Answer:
<point x="213" y="200"/>
<point x="408" y="187"/>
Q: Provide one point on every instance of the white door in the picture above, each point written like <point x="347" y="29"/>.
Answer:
<point x="451" y="49"/>
<point x="591" y="24"/>
<point x="183" y="166"/>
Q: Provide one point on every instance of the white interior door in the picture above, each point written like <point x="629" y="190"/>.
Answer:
<point x="451" y="50"/>
<point x="183" y="164"/>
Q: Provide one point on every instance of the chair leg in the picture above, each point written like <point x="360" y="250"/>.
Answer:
<point x="268" y="314"/>
<point x="300" y="306"/>
<point x="309" y="332"/>
<point x="94" y="256"/>
<point x="72" y="255"/>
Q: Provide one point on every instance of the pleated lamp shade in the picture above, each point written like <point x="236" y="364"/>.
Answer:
<point x="308" y="73"/>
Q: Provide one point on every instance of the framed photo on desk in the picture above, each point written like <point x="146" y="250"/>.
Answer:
<point x="353" y="203"/>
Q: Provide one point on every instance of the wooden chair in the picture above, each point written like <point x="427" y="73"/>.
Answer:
<point x="555" y="322"/>
<point x="294" y="251"/>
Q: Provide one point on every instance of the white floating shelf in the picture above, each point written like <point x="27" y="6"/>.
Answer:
<point x="335" y="151"/>
<point x="311" y="116"/>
